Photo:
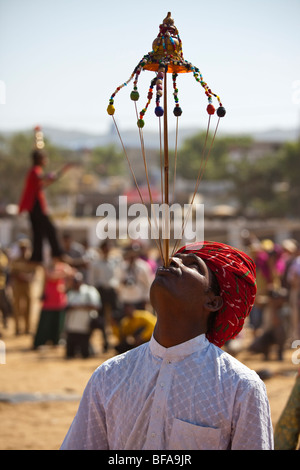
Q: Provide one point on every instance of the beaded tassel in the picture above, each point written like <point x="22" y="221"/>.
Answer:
<point x="159" y="91"/>
<point x="150" y="96"/>
<point x="110" y="108"/>
<point x="177" y="110"/>
<point x="210" y="108"/>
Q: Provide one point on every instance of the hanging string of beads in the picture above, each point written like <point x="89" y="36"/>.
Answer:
<point x="210" y="108"/>
<point x="134" y="95"/>
<point x="141" y="122"/>
<point x="111" y="108"/>
<point x="159" y="91"/>
<point x="177" y="110"/>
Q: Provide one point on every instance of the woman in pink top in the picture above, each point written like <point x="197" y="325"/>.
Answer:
<point x="52" y="316"/>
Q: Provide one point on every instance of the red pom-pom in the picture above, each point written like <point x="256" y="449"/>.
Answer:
<point x="210" y="109"/>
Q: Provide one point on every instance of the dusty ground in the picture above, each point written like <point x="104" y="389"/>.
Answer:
<point x="46" y="374"/>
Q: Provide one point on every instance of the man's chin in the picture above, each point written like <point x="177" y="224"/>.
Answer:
<point x="161" y="289"/>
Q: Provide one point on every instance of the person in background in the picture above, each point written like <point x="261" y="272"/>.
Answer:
<point x="74" y="254"/>
<point x="135" y="278"/>
<point x="5" y="306"/>
<point x="293" y="280"/>
<point x="276" y="328"/>
<point x="104" y="276"/>
<point x="22" y="275"/>
<point x="54" y="302"/>
<point x="33" y="201"/>
<point x="83" y="305"/>
<point x="135" y="328"/>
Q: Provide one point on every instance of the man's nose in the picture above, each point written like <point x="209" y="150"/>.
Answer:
<point x="175" y="261"/>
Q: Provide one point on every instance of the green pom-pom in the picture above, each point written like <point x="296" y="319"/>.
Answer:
<point x="134" y="95"/>
<point x="141" y="123"/>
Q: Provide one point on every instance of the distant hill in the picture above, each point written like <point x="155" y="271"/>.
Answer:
<point x="277" y="135"/>
<point x="79" y="139"/>
<point x="76" y="140"/>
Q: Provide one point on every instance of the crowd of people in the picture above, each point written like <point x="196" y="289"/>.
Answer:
<point x="81" y="288"/>
<point x="112" y="286"/>
<point x="275" y="316"/>
<point x="84" y="289"/>
<point x="107" y="288"/>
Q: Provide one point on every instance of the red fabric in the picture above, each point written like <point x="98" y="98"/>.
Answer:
<point x="55" y="296"/>
<point x="33" y="190"/>
<point x="236" y="275"/>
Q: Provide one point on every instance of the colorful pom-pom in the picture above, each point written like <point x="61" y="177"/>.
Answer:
<point x="210" y="109"/>
<point x="221" y="111"/>
<point x="141" y="123"/>
<point x="159" y="111"/>
<point x="134" y="95"/>
<point x="177" y="111"/>
<point x="110" y="109"/>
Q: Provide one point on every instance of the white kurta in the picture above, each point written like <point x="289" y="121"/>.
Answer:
<point x="190" y="396"/>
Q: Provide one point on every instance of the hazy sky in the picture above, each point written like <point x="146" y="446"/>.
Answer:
<point x="60" y="60"/>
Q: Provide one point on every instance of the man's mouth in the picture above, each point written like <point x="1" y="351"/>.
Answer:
<point x="162" y="270"/>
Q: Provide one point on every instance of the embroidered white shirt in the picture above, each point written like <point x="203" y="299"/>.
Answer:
<point x="190" y="396"/>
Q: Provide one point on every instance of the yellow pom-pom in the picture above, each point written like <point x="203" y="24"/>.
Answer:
<point x="110" y="109"/>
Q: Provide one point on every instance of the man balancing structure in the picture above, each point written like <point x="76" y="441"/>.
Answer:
<point x="181" y="390"/>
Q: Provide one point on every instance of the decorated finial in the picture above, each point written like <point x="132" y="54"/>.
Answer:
<point x="166" y="57"/>
<point x="167" y="42"/>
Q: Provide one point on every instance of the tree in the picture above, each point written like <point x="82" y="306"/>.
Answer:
<point x="107" y="161"/>
<point x="14" y="163"/>
<point x="215" y="159"/>
<point x="264" y="186"/>
<point x="255" y="185"/>
<point x="288" y="167"/>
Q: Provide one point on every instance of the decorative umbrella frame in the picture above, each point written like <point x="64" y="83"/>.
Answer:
<point x="166" y="57"/>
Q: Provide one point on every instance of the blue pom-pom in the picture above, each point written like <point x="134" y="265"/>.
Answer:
<point x="159" y="111"/>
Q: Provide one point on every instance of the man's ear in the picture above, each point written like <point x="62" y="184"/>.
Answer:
<point x="214" y="302"/>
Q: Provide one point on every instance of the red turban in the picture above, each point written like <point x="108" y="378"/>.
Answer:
<point x="236" y="276"/>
